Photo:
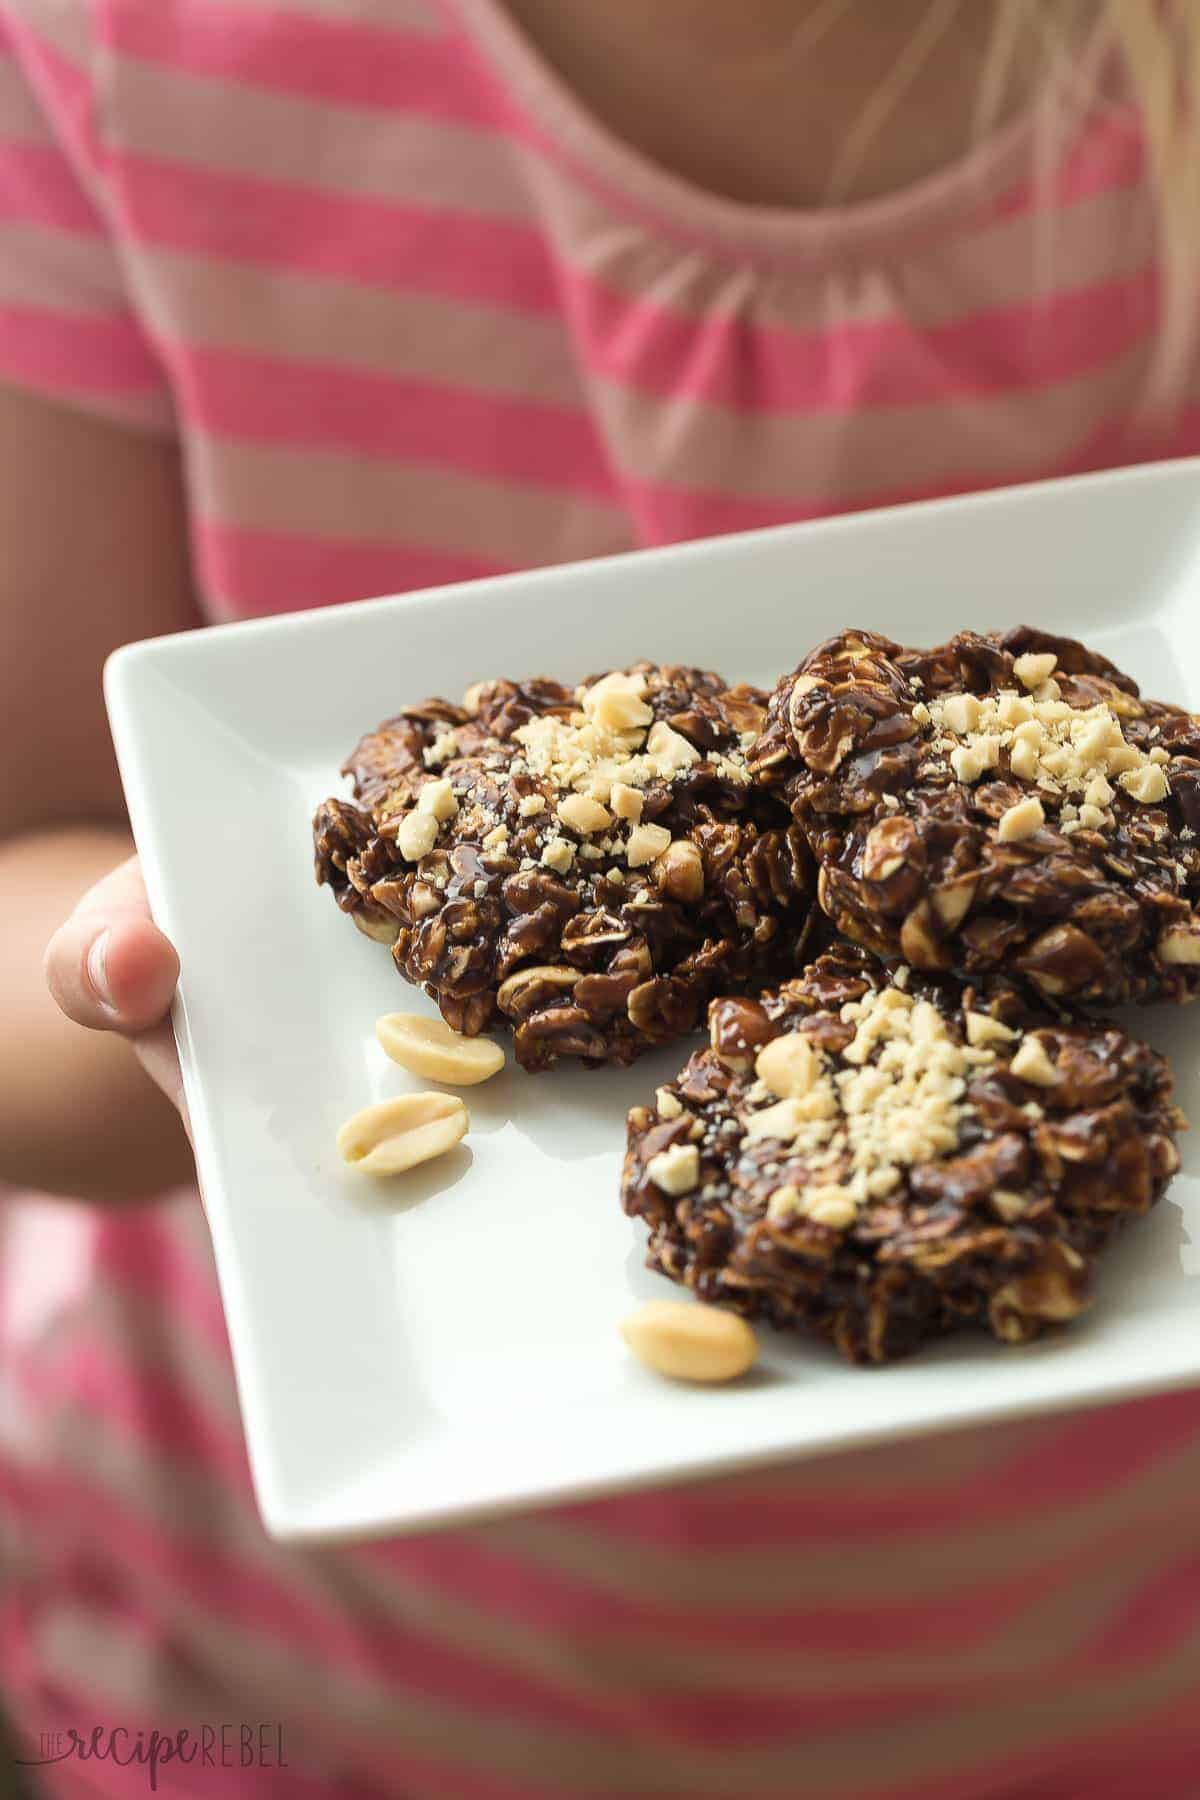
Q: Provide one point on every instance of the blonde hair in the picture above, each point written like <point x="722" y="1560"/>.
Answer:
<point x="1140" y="52"/>
<point x="1153" y="62"/>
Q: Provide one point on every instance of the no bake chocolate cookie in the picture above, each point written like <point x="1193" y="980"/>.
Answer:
<point x="589" y="867"/>
<point x="880" y="1157"/>
<point x="1000" y="802"/>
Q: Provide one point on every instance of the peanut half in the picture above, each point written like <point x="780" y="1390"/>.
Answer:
<point x="395" y="1135"/>
<point x="428" y="1047"/>
<point x="384" y="931"/>
<point x="690" y="1342"/>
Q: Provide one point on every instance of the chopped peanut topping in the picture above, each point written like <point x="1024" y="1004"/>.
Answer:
<point x="1149" y="785"/>
<point x="983" y="1029"/>
<point x="602" y="758"/>
<point x="1032" y="1064"/>
<point x="787" y="1121"/>
<point x="437" y="797"/>
<point x="443" y="747"/>
<point x="960" y="714"/>
<point x="626" y="802"/>
<point x="616" y="703"/>
<point x="898" y="1100"/>
<point x="788" y="1065"/>
<point x="1022" y="821"/>
<point x="677" y="1170"/>
<point x="833" y="1206"/>
<point x="1032" y="670"/>
<point x="967" y="764"/>
<point x="645" y="843"/>
<point x="584" y="815"/>
<point x="416" y="836"/>
<point x="669" y="750"/>
<point x="784" y="1204"/>
<point x="1180" y="945"/>
<point x="558" y="855"/>
<point x="1065" y="750"/>
<point x="1024" y="760"/>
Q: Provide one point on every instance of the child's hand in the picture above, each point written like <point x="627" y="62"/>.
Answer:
<point x="110" y="968"/>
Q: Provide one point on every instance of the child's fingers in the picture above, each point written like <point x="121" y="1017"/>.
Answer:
<point x="158" y="1056"/>
<point x="109" y="967"/>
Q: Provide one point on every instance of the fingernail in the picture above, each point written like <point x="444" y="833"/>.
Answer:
<point x="97" y="968"/>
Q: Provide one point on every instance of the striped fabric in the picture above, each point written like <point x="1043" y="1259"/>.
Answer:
<point x="413" y="316"/>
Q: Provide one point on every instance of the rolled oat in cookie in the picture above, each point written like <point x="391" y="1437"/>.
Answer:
<point x="1001" y="802"/>
<point x="587" y="866"/>
<point x="880" y="1157"/>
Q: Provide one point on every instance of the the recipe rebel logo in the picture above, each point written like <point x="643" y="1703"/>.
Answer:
<point x="224" y="1746"/>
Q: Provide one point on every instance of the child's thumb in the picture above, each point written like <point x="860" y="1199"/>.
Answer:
<point x="109" y="967"/>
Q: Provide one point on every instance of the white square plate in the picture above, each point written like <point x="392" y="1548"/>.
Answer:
<point x="449" y="1345"/>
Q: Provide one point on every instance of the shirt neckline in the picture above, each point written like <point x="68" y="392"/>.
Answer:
<point x="630" y="181"/>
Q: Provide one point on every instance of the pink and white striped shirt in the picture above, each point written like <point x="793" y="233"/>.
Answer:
<point x="412" y="315"/>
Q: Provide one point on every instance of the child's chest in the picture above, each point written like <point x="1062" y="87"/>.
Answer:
<point x="407" y="344"/>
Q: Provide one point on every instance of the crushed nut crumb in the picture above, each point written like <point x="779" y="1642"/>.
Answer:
<point x="1061" y="749"/>
<point x="416" y="836"/>
<point x="897" y="1101"/>
<point x="1032" y="1063"/>
<point x="675" y="1170"/>
<point x="558" y="855"/>
<point x="1021" y="821"/>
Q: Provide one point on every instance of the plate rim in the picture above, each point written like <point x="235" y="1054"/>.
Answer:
<point x="124" y="671"/>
